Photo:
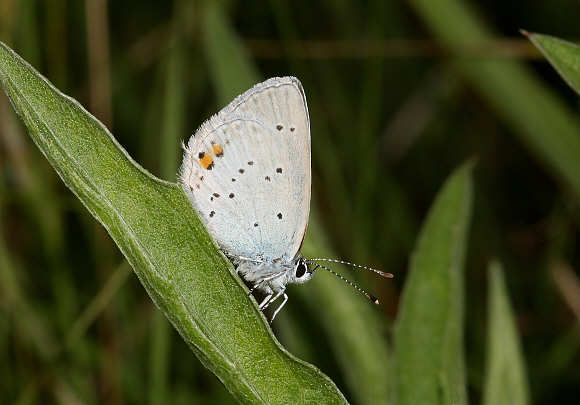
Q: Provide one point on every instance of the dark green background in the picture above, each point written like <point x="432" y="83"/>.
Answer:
<point x="393" y="111"/>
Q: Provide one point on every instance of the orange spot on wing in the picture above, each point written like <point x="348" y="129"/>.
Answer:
<point x="206" y="161"/>
<point x="217" y="149"/>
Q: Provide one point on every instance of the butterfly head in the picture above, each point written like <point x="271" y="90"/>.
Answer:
<point x="302" y="271"/>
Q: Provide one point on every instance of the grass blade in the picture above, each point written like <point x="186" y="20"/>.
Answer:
<point x="506" y="381"/>
<point x="429" y="327"/>
<point x="563" y="55"/>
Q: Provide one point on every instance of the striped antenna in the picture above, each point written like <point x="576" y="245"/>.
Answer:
<point x="369" y="296"/>
<point x="382" y="273"/>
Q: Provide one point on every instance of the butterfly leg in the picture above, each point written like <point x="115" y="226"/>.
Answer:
<point x="251" y="290"/>
<point x="272" y="299"/>
<point x="281" y="305"/>
<point x="264" y="304"/>
<point x="269" y="299"/>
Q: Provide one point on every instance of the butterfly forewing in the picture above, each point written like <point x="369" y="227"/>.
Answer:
<point x="247" y="172"/>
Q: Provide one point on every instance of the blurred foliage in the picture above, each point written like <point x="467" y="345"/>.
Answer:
<point x="400" y="94"/>
<point x="563" y="55"/>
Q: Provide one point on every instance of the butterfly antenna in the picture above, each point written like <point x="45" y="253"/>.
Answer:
<point x="369" y="296"/>
<point x="382" y="273"/>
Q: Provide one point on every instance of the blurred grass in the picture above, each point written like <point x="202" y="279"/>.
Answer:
<point x="169" y="75"/>
<point x="541" y="120"/>
<point x="429" y="327"/>
<point x="506" y="376"/>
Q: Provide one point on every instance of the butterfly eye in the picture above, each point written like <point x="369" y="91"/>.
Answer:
<point x="301" y="269"/>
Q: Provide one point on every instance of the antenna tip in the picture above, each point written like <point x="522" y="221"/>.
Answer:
<point x="387" y="275"/>
<point x="372" y="298"/>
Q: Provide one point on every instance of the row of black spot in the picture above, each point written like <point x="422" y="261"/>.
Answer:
<point x="267" y="178"/>
<point x="216" y="195"/>
<point x="280" y="128"/>
<point x="212" y="213"/>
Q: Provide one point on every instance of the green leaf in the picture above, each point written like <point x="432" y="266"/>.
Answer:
<point x="506" y="381"/>
<point x="429" y="328"/>
<point x="156" y="228"/>
<point x="563" y="55"/>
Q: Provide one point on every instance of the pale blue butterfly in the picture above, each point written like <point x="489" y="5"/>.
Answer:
<point x="247" y="172"/>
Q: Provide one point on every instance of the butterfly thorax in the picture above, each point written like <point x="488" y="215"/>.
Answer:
<point x="271" y="276"/>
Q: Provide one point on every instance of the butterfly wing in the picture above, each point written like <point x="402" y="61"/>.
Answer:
<point x="247" y="172"/>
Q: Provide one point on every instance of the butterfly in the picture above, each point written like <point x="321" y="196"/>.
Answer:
<point x="247" y="173"/>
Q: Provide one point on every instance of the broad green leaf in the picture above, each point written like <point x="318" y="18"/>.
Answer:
<point x="563" y="55"/>
<point x="537" y="115"/>
<point x="506" y="380"/>
<point x="156" y="228"/>
<point x="429" y="328"/>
